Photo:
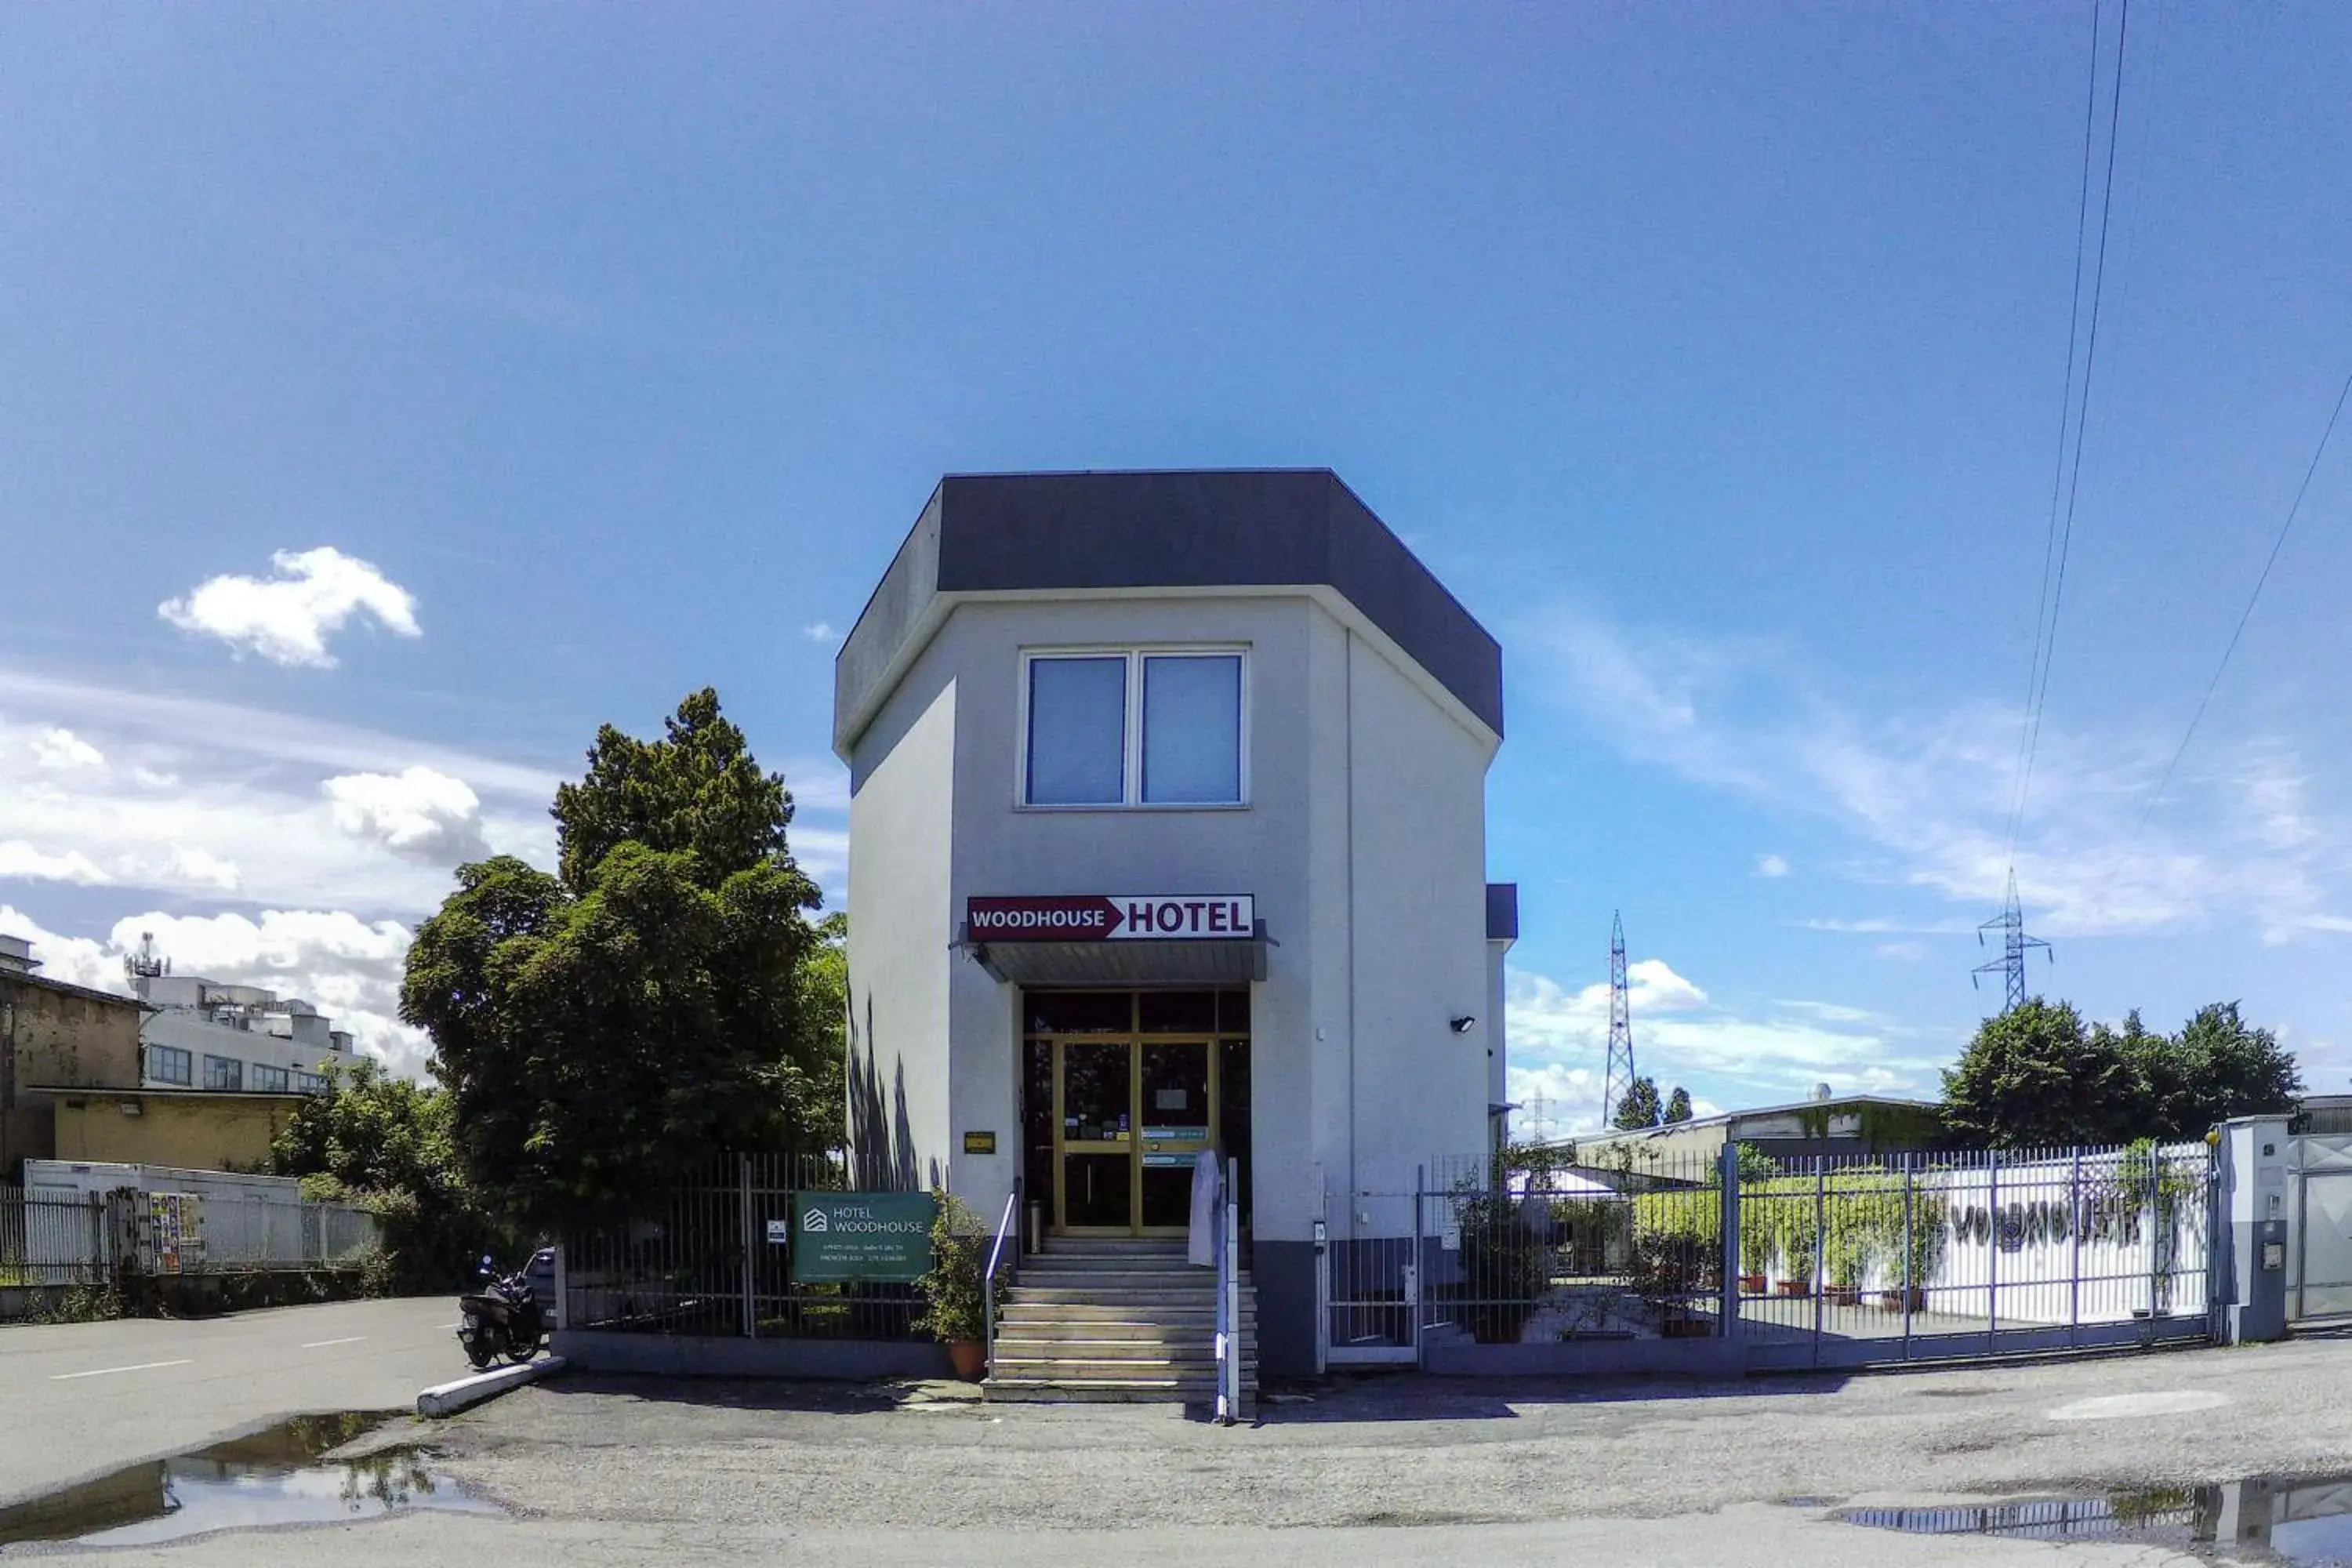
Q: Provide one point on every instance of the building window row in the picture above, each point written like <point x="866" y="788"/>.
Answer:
<point x="169" y="1064"/>
<point x="270" y="1080"/>
<point x="1123" y="728"/>
<point x="224" y="1072"/>
<point x="309" y="1083"/>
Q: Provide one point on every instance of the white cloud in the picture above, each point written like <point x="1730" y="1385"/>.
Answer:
<point x="350" y="969"/>
<point x="65" y="751"/>
<point x="1906" y="951"/>
<point x="203" y="869"/>
<point x="1771" y="866"/>
<point x="820" y="632"/>
<point x="22" y="862"/>
<point x="417" y="814"/>
<point x="1759" y="1053"/>
<point x="1928" y="798"/>
<point x="287" y="618"/>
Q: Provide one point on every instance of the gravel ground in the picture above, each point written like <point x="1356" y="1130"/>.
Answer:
<point x="1401" y="1451"/>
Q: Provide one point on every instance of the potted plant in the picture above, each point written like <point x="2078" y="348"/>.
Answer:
<point x="1754" y="1258"/>
<point x="1846" y="1258"/>
<point x="955" y="1310"/>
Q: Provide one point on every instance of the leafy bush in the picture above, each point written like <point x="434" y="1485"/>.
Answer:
<point x="954" y="1303"/>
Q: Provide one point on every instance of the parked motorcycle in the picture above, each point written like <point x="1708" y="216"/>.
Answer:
<point x="503" y="1319"/>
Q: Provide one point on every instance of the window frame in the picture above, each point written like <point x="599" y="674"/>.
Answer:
<point x="236" y="1062"/>
<point x="1132" y="724"/>
<point x="187" y="1064"/>
<point x="264" y="1070"/>
<point x="309" y="1082"/>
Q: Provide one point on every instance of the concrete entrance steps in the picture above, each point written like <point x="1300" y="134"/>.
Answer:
<point x="1111" y="1319"/>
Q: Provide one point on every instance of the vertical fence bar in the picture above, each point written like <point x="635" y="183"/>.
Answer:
<point x="1910" y="1251"/>
<point x="2156" y="1217"/>
<point x="749" y="1255"/>
<point x="1727" y="1294"/>
<point x="2075" y="1218"/>
<point x="1820" y="1242"/>
<point x="1992" y="1240"/>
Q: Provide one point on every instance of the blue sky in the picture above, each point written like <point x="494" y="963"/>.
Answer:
<point x="1713" y="359"/>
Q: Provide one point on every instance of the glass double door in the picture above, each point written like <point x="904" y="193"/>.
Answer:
<point x="1130" y="1118"/>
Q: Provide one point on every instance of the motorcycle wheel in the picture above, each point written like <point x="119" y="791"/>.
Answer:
<point x="522" y="1353"/>
<point x="475" y="1337"/>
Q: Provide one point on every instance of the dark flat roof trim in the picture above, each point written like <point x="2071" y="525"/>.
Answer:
<point x="1502" y="911"/>
<point x="1228" y="528"/>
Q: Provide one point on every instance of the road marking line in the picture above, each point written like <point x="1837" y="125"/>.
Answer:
<point x="109" y="1371"/>
<point x="322" y="1344"/>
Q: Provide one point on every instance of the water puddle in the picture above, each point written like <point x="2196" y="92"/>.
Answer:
<point x="2303" y="1520"/>
<point x="272" y="1478"/>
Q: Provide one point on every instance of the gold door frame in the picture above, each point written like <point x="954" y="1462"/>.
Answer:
<point x="1133" y="1145"/>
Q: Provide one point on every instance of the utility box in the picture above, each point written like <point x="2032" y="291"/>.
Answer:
<point x="2255" y="1152"/>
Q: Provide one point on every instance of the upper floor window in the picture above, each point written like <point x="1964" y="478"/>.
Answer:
<point x="266" y="1077"/>
<point x="224" y="1072"/>
<point x="309" y="1082"/>
<point x="1133" y="728"/>
<point x="169" y="1064"/>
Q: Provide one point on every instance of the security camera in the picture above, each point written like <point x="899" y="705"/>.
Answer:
<point x="1463" y="1025"/>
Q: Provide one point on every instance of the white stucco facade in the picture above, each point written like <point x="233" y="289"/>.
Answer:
<point x="1373" y="1035"/>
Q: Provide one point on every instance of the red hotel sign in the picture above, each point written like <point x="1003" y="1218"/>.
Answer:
<point x="1112" y="917"/>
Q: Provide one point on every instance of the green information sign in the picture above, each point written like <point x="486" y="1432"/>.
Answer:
<point x="861" y="1236"/>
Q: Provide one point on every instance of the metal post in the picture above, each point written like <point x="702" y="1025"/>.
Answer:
<point x="1232" y="1371"/>
<point x="1727" y="1302"/>
<point x="1821" y="1244"/>
<point x="1420" y="1260"/>
<point x="1910" y="1252"/>
<point x="1992" y="1247"/>
<point x="750" y="1251"/>
<point x="2154" y="1219"/>
<point x="2074" y="1271"/>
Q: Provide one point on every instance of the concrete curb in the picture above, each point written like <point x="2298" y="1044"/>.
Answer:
<point x="448" y="1398"/>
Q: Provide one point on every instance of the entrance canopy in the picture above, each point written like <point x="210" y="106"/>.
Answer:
<point x="1122" y="939"/>
<point x="1231" y="962"/>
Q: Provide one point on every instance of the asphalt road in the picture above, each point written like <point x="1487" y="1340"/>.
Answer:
<point x="601" y="1473"/>
<point x="78" y="1400"/>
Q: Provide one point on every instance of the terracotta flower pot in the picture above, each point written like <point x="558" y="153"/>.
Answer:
<point x="969" y="1358"/>
<point x="1796" y="1286"/>
<point x="1845" y="1294"/>
<point x="1751" y="1285"/>
<point x="1893" y="1300"/>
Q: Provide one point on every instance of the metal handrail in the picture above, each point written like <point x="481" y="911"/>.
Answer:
<point x="988" y="1280"/>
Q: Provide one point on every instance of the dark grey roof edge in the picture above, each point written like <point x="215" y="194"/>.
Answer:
<point x="1174" y="528"/>
<point x="1502" y="911"/>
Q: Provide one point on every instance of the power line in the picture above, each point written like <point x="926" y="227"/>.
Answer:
<point x="2083" y="409"/>
<point x="2248" y="614"/>
<point x="2041" y="626"/>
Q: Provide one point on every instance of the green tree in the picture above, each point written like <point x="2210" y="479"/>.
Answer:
<point x="1678" y="1106"/>
<point x="1639" y="1105"/>
<point x="2037" y="1077"/>
<point x="384" y="1142"/>
<point x="2219" y="1067"/>
<point x="603" y="1029"/>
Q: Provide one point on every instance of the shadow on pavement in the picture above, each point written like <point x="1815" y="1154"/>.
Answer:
<point x="1409" y="1396"/>
<point x="761" y="1393"/>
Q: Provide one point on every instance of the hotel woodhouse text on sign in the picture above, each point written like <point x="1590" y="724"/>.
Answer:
<point x="1112" y="917"/>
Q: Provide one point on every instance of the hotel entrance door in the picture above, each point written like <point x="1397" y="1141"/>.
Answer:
<point x="1127" y="1112"/>
<point x="1135" y="1115"/>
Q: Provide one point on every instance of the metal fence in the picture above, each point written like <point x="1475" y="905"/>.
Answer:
<point x="702" y="1259"/>
<point x="54" y="1238"/>
<point x="1819" y="1261"/>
